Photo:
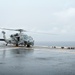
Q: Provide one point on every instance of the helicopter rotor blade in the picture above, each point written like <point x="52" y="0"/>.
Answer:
<point x="36" y="32"/>
<point x="8" y="29"/>
<point x="39" y="32"/>
<point x="20" y="30"/>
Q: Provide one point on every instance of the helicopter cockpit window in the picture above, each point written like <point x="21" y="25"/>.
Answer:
<point x="30" y="38"/>
<point x="25" y="37"/>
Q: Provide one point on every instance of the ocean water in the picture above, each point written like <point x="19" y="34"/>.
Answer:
<point x="57" y="43"/>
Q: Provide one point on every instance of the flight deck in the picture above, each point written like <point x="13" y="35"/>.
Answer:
<point x="36" y="61"/>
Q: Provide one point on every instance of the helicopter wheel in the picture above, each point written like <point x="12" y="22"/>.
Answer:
<point x="16" y="44"/>
<point x="28" y="45"/>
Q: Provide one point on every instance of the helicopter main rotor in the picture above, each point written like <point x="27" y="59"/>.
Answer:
<point x="22" y="30"/>
<point x="19" y="30"/>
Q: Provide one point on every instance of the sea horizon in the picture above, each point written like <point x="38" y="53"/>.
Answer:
<point x="55" y="43"/>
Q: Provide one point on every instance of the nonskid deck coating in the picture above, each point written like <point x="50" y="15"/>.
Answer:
<point x="36" y="61"/>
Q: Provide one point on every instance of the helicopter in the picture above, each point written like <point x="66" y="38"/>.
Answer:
<point x="18" y="39"/>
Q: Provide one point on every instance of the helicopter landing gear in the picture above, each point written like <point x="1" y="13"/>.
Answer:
<point x="17" y="45"/>
<point x="28" y="45"/>
<point x="25" y="43"/>
<point x="6" y="44"/>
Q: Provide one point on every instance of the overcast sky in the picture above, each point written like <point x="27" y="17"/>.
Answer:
<point x="53" y="16"/>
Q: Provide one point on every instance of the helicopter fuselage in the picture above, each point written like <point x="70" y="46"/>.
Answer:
<point x="21" y="39"/>
<point x="18" y="38"/>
